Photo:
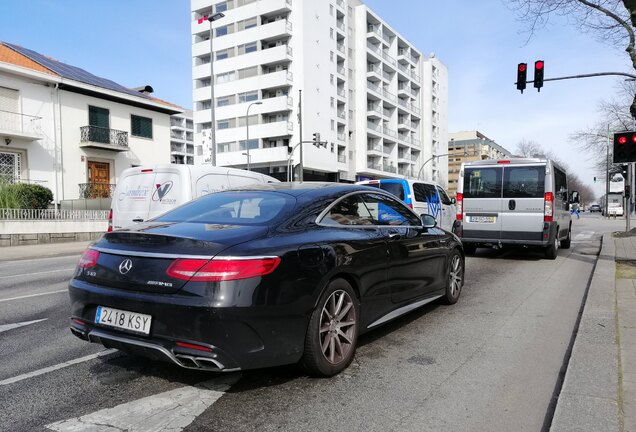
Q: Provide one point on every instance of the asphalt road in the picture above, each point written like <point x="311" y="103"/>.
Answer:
<point x="491" y="362"/>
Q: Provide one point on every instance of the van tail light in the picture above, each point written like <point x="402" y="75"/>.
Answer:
<point x="217" y="270"/>
<point x="548" y="207"/>
<point x="460" y="207"/>
<point x="88" y="259"/>
<point x="110" y="221"/>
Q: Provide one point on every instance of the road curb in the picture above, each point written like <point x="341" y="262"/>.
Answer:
<point x="38" y="251"/>
<point x="589" y="399"/>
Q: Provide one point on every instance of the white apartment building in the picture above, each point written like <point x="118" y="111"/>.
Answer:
<point x="376" y="100"/>
<point x="182" y="148"/>
<point x="71" y="131"/>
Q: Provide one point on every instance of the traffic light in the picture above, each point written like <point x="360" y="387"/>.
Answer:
<point x="594" y="179"/>
<point x="538" y="74"/>
<point x="624" y="171"/>
<point x="625" y="147"/>
<point x="316" y="139"/>
<point x="522" y="73"/>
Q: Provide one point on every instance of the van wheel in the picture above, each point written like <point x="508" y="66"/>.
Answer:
<point x="565" y="243"/>
<point x="332" y="334"/>
<point x="552" y="250"/>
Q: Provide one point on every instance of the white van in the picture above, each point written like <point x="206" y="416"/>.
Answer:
<point x="519" y="201"/>
<point x="423" y="197"/>
<point x="145" y="192"/>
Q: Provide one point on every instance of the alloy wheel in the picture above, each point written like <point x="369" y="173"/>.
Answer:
<point x="455" y="275"/>
<point x="337" y="327"/>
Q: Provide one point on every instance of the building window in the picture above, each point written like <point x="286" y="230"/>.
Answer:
<point x="10" y="167"/>
<point x="250" y="47"/>
<point x="206" y="104"/>
<point x="252" y="144"/>
<point x="225" y="77"/>
<point x="332" y="102"/>
<point x="249" y="23"/>
<point x="331" y="78"/>
<point x="248" y="97"/>
<point x="223" y="147"/>
<point x="221" y="7"/>
<point x="331" y="33"/>
<point x="224" y="101"/>
<point x="221" y="31"/>
<point x="223" y="124"/>
<point x="140" y="126"/>
<point x="220" y="55"/>
<point x="333" y="125"/>
<point x="331" y="9"/>
<point x="331" y="56"/>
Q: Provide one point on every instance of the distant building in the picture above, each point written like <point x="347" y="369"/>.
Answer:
<point x="182" y="148"/>
<point x="72" y="131"/>
<point x="469" y="146"/>
<point x="377" y="101"/>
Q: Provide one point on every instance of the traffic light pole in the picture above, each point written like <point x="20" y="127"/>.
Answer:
<point x="628" y="194"/>
<point x="587" y="76"/>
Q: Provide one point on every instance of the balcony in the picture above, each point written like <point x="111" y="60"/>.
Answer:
<point x="340" y="25"/>
<point x="340" y="47"/>
<point x="342" y="115"/>
<point x="377" y="148"/>
<point x="389" y="168"/>
<point x="389" y="132"/>
<point x="15" y="125"/>
<point x="341" y="70"/>
<point x="390" y="60"/>
<point x="415" y="76"/>
<point x="374" y="88"/>
<point x="96" y="190"/>
<point x="374" y="166"/>
<point x="376" y="127"/>
<point x="406" y="171"/>
<point x="340" y="4"/>
<point x="374" y="110"/>
<point x="375" y="50"/>
<point x="342" y="158"/>
<point x="341" y="137"/>
<point x="103" y="138"/>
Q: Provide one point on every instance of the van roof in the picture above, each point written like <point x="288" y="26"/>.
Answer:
<point x="196" y="170"/>
<point x="507" y="161"/>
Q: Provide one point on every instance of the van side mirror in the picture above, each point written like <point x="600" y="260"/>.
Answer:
<point x="428" y="221"/>
<point x="575" y="198"/>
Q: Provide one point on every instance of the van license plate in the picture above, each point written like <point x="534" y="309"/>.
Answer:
<point x="124" y="320"/>
<point x="482" y="219"/>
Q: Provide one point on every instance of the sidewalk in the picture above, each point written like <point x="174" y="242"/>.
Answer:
<point x="599" y="391"/>
<point x="13" y="253"/>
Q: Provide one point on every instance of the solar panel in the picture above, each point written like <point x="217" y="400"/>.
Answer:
<point x="73" y="72"/>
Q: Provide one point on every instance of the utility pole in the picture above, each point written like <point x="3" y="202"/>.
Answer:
<point x="300" y="132"/>
<point x="607" y="174"/>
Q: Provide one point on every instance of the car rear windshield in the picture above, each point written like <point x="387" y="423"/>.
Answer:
<point x="232" y="208"/>
<point x="482" y="182"/>
<point x="524" y="182"/>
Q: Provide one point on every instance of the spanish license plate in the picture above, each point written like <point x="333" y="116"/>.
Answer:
<point x="121" y="319"/>
<point x="482" y="219"/>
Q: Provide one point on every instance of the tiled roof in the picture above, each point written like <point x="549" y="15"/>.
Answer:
<point x="8" y="55"/>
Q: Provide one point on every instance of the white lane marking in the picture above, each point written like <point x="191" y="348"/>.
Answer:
<point x="33" y="295"/>
<point x="169" y="411"/>
<point x="55" y="367"/>
<point x="7" y="327"/>
<point x="37" y="273"/>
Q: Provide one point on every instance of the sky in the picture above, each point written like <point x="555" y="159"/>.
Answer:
<point x="139" y="42"/>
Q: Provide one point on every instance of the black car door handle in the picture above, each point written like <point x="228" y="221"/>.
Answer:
<point x="512" y="204"/>
<point x="138" y="220"/>
<point x="394" y="235"/>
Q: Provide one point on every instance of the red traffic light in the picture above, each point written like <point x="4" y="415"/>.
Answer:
<point x="625" y="147"/>
<point x="538" y="64"/>
<point x="622" y="140"/>
<point x="522" y="67"/>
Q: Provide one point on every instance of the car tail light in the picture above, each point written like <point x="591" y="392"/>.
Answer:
<point x="217" y="270"/>
<point x="110" y="221"/>
<point x="548" y="209"/>
<point x="193" y="346"/>
<point x="88" y="259"/>
<point x="410" y="206"/>
<point x="460" y="207"/>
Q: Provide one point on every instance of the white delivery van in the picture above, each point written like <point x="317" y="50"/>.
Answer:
<point x="145" y="192"/>
<point x="518" y="201"/>
<point x="424" y="197"/>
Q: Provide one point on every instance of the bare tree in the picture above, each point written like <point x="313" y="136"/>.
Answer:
<point x="611" y="21"/>
<point x="526" y="148"/>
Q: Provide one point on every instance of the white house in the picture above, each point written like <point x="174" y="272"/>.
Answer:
<point x="72" y="131"/>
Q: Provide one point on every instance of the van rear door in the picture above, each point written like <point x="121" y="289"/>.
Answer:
<point x="133" y="195"/>
<point x="482" y="202"/>
<point x="523" y="202"/>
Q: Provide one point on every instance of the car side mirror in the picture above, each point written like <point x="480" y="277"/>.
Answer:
<point x="453" y="201"/>
<point x="428" y="221"/>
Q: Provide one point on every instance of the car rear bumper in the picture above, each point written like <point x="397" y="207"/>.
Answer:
<point x="229" y="338"/>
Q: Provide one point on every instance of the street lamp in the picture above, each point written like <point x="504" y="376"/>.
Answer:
<point x="212" y="18"/>
<point x="247" y="124"/>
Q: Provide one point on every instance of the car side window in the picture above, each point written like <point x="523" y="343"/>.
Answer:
<point x="389" y="212"/>
<point x="349" y="211"/>
<point x="443" y="196"/>
<point x="424" y="193"/>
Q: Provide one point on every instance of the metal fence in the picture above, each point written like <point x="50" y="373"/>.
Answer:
<point x="51" y="214"/>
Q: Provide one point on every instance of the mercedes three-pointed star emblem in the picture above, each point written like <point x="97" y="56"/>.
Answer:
<point x="125" y="266"/>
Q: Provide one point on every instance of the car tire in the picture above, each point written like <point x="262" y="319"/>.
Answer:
<point x="454" y="278"/>
<point x="551" y="251"/>
<point x="565" y="243"/>
<point x="332" y="334"/>
<point x="470" y="249"/>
